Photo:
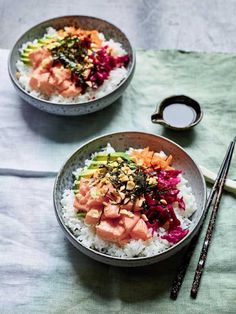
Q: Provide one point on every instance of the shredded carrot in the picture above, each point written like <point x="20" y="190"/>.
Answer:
<point x="94" y="35"/>
<point x="147" y="159"/>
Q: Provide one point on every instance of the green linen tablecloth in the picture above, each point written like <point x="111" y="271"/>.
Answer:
<point x="40" y="272"/>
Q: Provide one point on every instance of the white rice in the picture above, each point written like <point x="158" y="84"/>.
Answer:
<point x="115" y="78"/>
<point x="135" y="248"/>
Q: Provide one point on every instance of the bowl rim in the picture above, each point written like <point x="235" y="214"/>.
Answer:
<point x="74" y="240"/>
<point x="48" y="102"/>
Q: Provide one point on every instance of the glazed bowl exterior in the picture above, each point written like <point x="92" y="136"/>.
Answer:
<point x="121" y="142"/>
<point x="73" y="109"/>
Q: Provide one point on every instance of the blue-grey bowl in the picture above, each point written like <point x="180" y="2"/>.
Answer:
<point x="86" y="22"/>
<point x="122" y="141"/>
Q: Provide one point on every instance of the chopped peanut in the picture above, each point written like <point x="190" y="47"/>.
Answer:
<point x="152" y="181"/>
<point x="164" y="202"/>
<point x="144" y="217"/>
<point x="130" y="185"/>
<point x="123" y="177"/>
<point x="127" y="213"/>
<point x="119" y="160"/>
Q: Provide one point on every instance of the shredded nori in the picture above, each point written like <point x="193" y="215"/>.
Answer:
<point x="71" y="53"/>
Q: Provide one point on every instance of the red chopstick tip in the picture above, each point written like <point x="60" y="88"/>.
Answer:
<point x="173" y="295"/>
<point x="193" y="293"/>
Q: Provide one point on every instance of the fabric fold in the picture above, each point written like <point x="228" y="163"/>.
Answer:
<point x="26" y="173"/>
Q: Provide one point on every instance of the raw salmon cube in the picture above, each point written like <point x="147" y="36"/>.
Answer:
<point x="44" y="85"/>
<point x="110" y="191"/>
<point x="130" y="222"/>
<point x="35" y="77"/>
<point x="92" y="217"/>
<point x="95" y="204"/>
<point x="111" y="211"/>
<point x="59" y="75"/>
<point x="82" y="199"/>
<point x="140" y="231"/>
<point x="37" y="56"/>
<point x="80" y="205"/>
<point x="76" y="204"/>
<point x="83" y="186"/>
<point x="47" y="63"/>
<point x="71" y="91"/>
<point x="109" y="231"/>
<point x="34" y="82"/>
<point x="83" y="189"/>
<point x="128" y="206"/>
<point x="64" y="85"/>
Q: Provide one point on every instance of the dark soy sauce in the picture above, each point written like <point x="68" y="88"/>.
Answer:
<point x="179" y="115"/>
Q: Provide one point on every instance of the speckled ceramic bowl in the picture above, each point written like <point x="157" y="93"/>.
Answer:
<point x="110" y="31"/>
<point x="121" y="142"/>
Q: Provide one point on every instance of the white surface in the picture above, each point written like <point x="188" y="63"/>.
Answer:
<point x="208" y="25"/>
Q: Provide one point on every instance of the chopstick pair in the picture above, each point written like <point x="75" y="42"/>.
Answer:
<point x="217" y="187"/>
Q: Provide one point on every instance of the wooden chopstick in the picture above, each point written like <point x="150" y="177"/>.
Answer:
<point x="177" y="283"/>
<point x="211" y="226"/>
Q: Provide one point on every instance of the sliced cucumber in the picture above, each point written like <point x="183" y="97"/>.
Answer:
<point x="88" y="173"/>
<point x="81" y="215"/>
<point x="32" y="46"/>
<point x="112" y="156"/>
<point x="97" y="164"/>
<point x="25" y="60"/>
<point x="44" y="41"/>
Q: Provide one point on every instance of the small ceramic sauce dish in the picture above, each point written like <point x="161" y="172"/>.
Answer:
<point x="178" y="113"/>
